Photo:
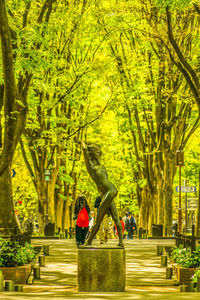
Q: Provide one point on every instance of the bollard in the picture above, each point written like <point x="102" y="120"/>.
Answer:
<point x="190" y="287"/>
<point x="1" y="281"/>
<point x="18" y="288"/>
<point x="46" y="250"/>
<point x="140" y="233"/>
<point x="30" y="279"/>
<point x="169" y="272"/>
<point x="165" y="231"/>
<point x="183" y="288"/>
<point x="41" y="260"/>
<point x="175" y="280"/>
<point x="159" y="250"/>
<point x="198" y="284"/>
<point x="174" y="269"/>
<point x="9" y="285"/>
<point x="144" y="235"/>
<point x="36" y="272"/>
<point x="61" y="235"/>
<point x="163" y="260"/>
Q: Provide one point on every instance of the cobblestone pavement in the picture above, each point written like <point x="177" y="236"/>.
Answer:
<point x="145" y="278"/>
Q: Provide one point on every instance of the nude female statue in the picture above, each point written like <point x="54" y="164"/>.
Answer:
<point x="107" y="190"/>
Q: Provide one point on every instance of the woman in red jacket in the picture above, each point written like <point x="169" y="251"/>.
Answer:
<point x="81" y="215"/>
<point x="123" y="225"/>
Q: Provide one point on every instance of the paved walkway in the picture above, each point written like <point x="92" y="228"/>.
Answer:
<point x="145" y="278"/>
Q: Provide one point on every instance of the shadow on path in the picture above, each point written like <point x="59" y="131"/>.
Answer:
<point x="145" y="278"/>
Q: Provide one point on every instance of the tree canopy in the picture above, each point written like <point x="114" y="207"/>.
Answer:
<point x="122" y="74"/>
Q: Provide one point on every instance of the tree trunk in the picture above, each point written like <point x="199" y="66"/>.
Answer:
<point x="151" y="219"/>
<point x="168" y="194"/>
<point x="41" y="192"/>
<point x="15" y="111"/>
<point x="66" y="219"/>
<point x="8" y="220"/>
<point x="198" y="211"/>
<point x="58" y="206"/>
<point x="41" y="215"/>
<point x="160" y="188"/>
<point x="143" y="218"/>
<point x="51" y="195"/>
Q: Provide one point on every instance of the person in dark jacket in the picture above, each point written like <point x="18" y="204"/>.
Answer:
<point x="127" y="226"/>
<point x="130" y="225"/>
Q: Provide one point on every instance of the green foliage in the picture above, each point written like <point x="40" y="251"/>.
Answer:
<point x="179" y="255"/>
<point x="192" y="156"/>
<point x="23" y="191"/>
<point x="78" y="61"/>
<point x="174" y="4"/>
<point x="30" y="252"/>
<point x="184" y="258"/>
<point x="66" y="178"/>
<point x="196" y="274"/>
<point x="12" y="254"/>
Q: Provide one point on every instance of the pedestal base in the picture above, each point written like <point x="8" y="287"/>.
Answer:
<point x="101" y="269"/>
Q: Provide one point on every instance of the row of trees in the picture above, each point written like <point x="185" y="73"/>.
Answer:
<point x="87" y="70"/>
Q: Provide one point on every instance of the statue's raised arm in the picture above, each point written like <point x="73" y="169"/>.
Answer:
<point x="107" y="190"/>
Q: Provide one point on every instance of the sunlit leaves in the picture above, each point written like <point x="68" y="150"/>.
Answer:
<point x="175" y="4"/>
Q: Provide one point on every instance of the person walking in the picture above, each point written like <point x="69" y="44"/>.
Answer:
<point x="132" y="226"/>
<point x="81" y="216"/>
<point x="123" y="226"/>
<point x="126" y="227"/>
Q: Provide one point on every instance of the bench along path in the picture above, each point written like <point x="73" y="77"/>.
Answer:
<point x="145" y="277"/>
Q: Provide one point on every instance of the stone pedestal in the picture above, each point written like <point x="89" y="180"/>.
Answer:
<point x="101" y="269"/>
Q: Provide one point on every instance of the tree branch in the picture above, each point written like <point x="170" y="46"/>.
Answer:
<point x="190" y="133"/>
<point x="92" y="121"/>
<point x="27" y="163"/>
<point x="197" y="8"/>
<point x="183" y="59"/>
<point x="25" y="15"/>
<point x="149" y="129"/>
<point x="138" y="158"/>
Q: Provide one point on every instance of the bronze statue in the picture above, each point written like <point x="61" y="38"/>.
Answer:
<point x="107" y="190"/>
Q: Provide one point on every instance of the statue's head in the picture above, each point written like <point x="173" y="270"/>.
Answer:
<point x="94" y="150"/>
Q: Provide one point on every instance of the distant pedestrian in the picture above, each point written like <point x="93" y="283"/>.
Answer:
<point x="91" y="221"/>
<point x="133" y="224"/>
<point x="126" y="226"/>
<point x="82" y="216"/>
<point x="174" y="228"/>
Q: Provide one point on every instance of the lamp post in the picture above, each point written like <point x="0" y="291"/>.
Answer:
<point x="179" y="163"/>
<point x="47" y="176"/>
<point x="186" y="183"/>
<point x="198" y="210"/>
